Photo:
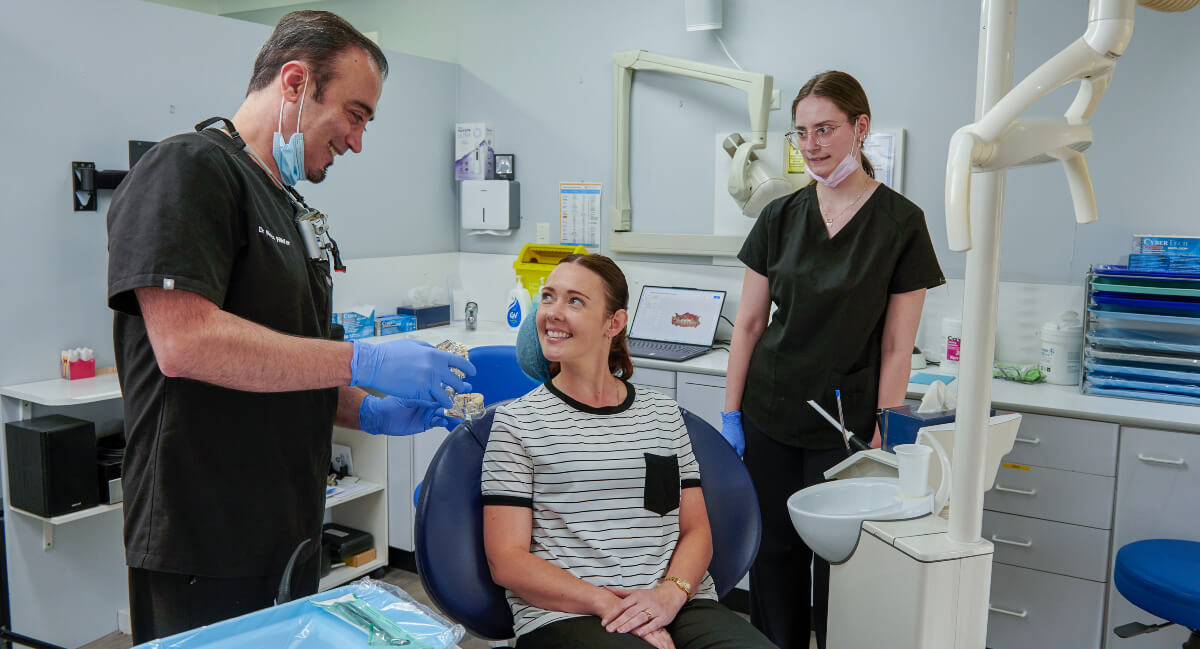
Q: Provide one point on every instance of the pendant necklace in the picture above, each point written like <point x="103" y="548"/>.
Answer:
<point x="830" y="221"/>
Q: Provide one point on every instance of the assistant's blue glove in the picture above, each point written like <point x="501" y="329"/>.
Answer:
<point x="731" y="430"/>
<point x="390" y="416"/>
<point x="412" y="370"/>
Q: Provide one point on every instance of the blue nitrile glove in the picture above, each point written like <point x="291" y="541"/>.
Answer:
<point x="731" y="430"/>
<point x="389" y="416"/>
<point x="529" y="350"/>
<point x="409" y="369"/>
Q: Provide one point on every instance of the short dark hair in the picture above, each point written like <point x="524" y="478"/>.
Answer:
<point x="846" y="93"/>
<point x="315" y="37"/>
<point x="616" y="297"/>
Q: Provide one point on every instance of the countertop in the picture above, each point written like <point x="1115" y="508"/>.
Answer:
<point x="1058" y="400"/>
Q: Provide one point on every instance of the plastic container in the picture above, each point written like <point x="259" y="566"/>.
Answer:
<point x="518" y="305"/>
<point x="1062" y="349"/>
<point x="536" y="260"/>
<point x="913" y="463"/>
<point x="951" y="344"/>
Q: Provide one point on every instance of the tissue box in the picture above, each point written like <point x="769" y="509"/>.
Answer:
<point x="903" y="422"/>
<point x="427" y="316"/>
<point x="474" y="157"/>
<point x="359" y="322"/>
<point x="386" y="325"/>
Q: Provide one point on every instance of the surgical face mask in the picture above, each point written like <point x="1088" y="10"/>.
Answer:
<point x="289" y="156"/>
<point x="846" y="167"/>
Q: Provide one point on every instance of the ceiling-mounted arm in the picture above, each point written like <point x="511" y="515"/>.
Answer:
<point x="757" y="87"/>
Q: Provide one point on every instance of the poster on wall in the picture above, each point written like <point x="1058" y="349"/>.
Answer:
<point x="885" y="149"/>
<point x="579" y="214"/>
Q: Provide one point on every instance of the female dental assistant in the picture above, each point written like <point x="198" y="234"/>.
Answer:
<point x="846" y="261"/>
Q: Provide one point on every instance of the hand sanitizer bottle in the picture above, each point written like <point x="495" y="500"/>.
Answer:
<point x="518" y="305"/>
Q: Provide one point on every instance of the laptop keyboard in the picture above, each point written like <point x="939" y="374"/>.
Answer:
<point x="653" y="346"/>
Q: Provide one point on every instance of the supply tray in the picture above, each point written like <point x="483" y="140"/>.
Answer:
<point x="1142" y="335"/>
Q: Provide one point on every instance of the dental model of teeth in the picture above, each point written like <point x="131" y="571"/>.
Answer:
<point x="468" y="405"/>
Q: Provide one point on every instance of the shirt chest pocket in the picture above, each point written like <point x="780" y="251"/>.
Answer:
<point x="661" y="494"/>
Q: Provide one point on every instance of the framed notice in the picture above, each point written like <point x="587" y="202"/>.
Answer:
<point x="885" y="149"/>
<point x="579" y="214"/>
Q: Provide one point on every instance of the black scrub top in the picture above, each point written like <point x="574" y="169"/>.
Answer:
<point x="218" y="482"/>
<point x="832" y="297"/>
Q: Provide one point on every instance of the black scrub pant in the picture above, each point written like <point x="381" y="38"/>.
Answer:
<point x="165" y="603"/>
<point x="700" y="624"/>
<point x="780" y="585"/>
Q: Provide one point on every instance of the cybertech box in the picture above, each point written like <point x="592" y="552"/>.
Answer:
<point x="1148" y="244"/>
<point x="358" y="322"/>
<point x="386" y="325"/>
<point x="474" y="157"/>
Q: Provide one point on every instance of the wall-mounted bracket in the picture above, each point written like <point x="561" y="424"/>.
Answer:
<point x="85" y="180"/>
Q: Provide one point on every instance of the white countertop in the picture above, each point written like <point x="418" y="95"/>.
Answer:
<point x="1059" y="400"/>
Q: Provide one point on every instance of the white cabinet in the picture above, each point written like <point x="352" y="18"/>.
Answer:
<point x="702" y="395"/>
<point x="364" y="504"/>
<point x="408" y="459"/>
<point x="1157" y="487"/>
<point x="660" y="381"/>
<point x="1049" y="516"/>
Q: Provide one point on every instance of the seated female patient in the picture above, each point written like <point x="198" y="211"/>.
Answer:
<point x="594" y="521"/>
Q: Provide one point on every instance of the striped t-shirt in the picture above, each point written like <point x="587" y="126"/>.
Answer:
<point x="603" y="484"/>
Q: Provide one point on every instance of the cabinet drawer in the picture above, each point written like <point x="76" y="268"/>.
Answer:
<point x="1054" y="495"/>
<point x="653" y="378"/>
<point x="1061" y="443"/>
<point x="1061" y="548"/>
<point x="1030" y="609"/>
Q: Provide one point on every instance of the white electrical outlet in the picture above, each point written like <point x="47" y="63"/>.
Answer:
<point x="543" y="233"/>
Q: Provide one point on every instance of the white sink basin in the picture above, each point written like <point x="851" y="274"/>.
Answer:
<point x="829" y="516"/>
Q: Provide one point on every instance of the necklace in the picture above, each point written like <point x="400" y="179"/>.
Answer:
<point x="830" y="221"/>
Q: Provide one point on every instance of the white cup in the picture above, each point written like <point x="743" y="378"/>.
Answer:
<point x="913" y="460"/>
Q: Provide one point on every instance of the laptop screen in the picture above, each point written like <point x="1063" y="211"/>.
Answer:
<point x="677" y="315"/>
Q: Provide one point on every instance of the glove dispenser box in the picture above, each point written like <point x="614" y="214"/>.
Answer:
<point x="51" y="465"/>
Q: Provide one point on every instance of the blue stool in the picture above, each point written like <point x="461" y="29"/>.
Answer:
<point x="1161" y="577"/>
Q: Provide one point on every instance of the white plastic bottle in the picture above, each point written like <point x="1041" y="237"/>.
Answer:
<point x="951" y="344"/>
<point x="518" y="305"/>
<point x="1062" y="348"/>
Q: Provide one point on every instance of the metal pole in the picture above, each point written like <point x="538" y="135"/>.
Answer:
<point x="994" y="80"/>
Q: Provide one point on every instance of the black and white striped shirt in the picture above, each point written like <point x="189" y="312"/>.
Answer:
<point x="603" y="484"/>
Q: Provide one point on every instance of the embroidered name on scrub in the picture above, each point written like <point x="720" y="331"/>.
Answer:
<point x="270" y="235"/>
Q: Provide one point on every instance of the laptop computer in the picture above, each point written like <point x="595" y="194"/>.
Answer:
<point x="674" y="324"/>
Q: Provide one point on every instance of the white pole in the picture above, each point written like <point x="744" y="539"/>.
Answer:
<point x="994" y="80"/>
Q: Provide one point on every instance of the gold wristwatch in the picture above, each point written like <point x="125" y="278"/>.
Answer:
<point x="681" y="585"/>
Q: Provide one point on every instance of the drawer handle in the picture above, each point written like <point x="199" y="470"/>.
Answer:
<point x="1034" y="442"/>
<point x="1020" y="544"/>
<point x="1159" y="460"/>
<point x="1019" y="492"/>
<point x="1003" y="611"/>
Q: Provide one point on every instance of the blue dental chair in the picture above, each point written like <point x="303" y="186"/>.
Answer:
<point x="449" y="534"/>
<point x="498" y="376"/>
<point x="1161" y="577"/>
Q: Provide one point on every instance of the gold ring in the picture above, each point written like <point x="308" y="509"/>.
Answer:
<point x="649" y="615"/>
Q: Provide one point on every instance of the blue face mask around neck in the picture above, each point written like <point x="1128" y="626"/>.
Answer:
<point x="289" y="156"/>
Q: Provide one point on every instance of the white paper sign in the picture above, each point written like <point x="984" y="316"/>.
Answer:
<point x="579" y="214"/>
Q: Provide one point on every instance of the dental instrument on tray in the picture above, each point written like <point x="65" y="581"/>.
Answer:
<point x="847" y="436"/>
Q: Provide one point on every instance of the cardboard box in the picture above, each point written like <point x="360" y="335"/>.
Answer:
<point x="358" y="322"/>
<point x="386" y="325"/>
<point x="1149" y="244"/>
<point x="427" y="316"/>
<point x="474" y="157"/>
<point x="361" y="559"/>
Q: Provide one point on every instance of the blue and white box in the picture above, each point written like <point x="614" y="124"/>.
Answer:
<point x="358" y="322"/>
<point x="386" y="325"/>
<point x="474" y="157"/>
<point x="1152" y="244"/>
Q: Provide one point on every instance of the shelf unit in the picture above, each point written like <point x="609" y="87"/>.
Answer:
<point x="1142" y="335"/>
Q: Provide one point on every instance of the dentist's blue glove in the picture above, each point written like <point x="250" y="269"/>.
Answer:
<point x="390" y="416"/>
<point x="412" y="370"/>
<point x="731" y="430"/>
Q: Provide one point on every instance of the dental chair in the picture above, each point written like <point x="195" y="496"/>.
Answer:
<point x="449" y="531"/>
<point x="498" y="376"/>
<point x="1161" y="577"/>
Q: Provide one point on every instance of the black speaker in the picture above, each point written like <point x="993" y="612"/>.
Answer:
<point x="51" y="464"/>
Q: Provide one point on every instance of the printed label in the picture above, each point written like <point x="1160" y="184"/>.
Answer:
<point x="952" y="346"/>
<point x="514" y="314"/>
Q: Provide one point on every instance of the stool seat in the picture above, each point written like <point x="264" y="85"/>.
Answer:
<point x="1162" y="577"/>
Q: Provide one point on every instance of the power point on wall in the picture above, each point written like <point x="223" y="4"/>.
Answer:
<point x="543" y="233"/>
<point x="776" y="99"/>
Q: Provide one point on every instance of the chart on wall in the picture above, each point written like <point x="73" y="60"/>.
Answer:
<point x="885" y="149"/>
<point x="579" y="214"/>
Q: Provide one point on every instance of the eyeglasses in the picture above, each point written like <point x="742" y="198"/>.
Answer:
<point x="821" y="135"/>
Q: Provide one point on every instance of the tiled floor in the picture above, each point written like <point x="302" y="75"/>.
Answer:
<point x="407" y="581"/>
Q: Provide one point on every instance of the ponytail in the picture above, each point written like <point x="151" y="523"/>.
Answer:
<point x="619" y="362"/>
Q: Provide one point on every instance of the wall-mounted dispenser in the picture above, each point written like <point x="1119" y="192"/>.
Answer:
<point x="491" y="205"/>
<point x="85" y="180"/>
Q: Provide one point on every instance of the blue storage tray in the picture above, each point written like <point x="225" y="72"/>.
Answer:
<point x="1124" y="271"/>
<point x="1141" y="371"/>
<point x="1144" y="357"/>
<point x="1114" y="312"/>
<point x="1139" y="394"/>
<point x="1104" y="381"/>
<point x="1186" y="303"/>
<point x="1159" y="341"/>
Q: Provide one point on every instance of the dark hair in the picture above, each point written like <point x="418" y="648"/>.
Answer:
<point x="616" y="297"/>
<point x="315" y="37"/>
<point x="846" y="93"/>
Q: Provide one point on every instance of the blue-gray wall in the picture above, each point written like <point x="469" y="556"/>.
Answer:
<point x="82" y="78"/>
<point x="540" y="71"/>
